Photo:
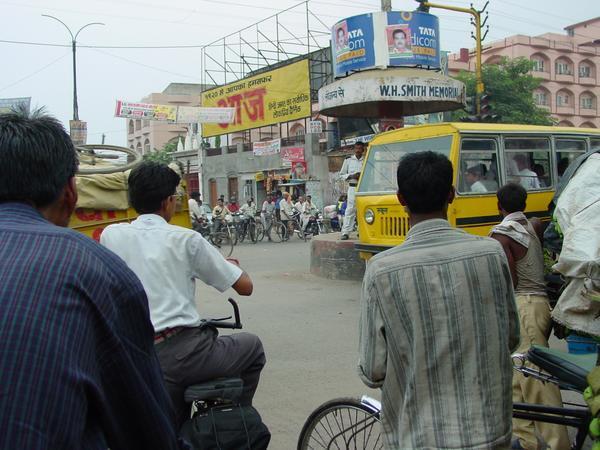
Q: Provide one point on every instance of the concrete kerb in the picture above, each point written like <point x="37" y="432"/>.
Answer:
<point x="335" y="259"/>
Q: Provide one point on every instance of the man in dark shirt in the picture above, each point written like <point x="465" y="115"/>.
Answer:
<point x="77" y="363"/>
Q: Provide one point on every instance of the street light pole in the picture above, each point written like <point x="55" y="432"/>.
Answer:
<point x="74" y="47"/>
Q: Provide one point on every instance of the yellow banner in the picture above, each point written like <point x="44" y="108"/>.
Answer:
<point x="279" y="95"/>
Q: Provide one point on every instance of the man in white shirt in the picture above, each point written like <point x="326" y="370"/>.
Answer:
<point x="194" y="206"/>
<point x="248" y="209"/>
<point x="308" y="210"/>
<point x="168" y="260"/>
<point x="473" y="178"/>
<point x="350" y="172"/>
<point x="527" y="177"/>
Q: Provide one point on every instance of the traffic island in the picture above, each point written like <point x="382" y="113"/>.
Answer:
<point x="335" y="259"/>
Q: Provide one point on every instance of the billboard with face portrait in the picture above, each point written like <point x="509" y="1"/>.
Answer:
<point x="353" y="44"/>
<point x="412" y="39"/>
<point x="385" y="39"/>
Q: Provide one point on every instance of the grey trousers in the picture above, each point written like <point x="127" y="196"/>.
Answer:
<point x="196" y="355"/>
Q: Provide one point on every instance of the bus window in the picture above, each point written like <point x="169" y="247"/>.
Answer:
<point x="567" y="150"/>
<point x="478" y="167"/>
<point x="595" y="144"/>
<point x="527" y="162"/>
<point x="379" y="170"/>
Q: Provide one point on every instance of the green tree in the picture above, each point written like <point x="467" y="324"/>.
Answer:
<point x="164" y="155"/>
<point x="510" y="86"/>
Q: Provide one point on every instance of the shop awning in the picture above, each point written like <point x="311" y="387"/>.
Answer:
<point x="292" y="183"/>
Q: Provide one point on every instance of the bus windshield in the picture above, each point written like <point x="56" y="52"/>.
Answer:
<point x="380" y="167"/>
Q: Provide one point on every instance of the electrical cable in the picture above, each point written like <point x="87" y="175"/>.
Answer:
<point x="34" y="73"/>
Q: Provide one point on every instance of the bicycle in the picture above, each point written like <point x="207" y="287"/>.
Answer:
<point x="248" y="226"/>
<point x="221" y="240"/>
<point x="346" y="423"/>
<point x="277" y="230"/>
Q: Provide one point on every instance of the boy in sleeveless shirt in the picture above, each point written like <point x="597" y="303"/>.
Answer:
<point x="521" y="240"/>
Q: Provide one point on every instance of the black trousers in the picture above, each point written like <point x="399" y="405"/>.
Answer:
<point x="196" y="355"/>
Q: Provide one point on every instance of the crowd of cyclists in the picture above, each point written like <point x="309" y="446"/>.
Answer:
<point x="281" y="213"/>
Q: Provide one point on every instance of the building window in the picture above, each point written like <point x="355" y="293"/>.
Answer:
<point x="131" y="129"/>
<point x="538" y="65"/>
<point x="145" y="123"/>
<point x="299" y="131"/>
<point x="587" y="102"/>
<point x="146" y="146"/>
<point x="541" y="98"/>
<point x="585" y="71"/>
<point x="138" y="125"/>
<point x="563" y="68"/>
<point x="562" y="99"/>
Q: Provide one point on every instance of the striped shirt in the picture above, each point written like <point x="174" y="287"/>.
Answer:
<point x="438" y="323"/>
<point x="78" y="369"/>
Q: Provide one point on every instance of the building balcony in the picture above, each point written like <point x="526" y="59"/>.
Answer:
<point x="565" y="110"/>
<point x="588" y="81"/>
<point x="544" y="106"/>
<point x="564" y="78"/>
<point x="588" y="112"/>
<point x="542" y="75"/>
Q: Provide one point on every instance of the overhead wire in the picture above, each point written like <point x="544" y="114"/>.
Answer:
<point x="34" y="73"/>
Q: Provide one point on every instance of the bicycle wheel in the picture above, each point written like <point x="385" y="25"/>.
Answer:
<point x="260" y="231"/>
<point x="278" y="232"/>
<point x="342" y="423"/>
<point x="233" y="235"/>
<point x="222" y="241"/>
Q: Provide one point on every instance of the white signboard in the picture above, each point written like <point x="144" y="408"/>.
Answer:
<point x="315" y="127"/>
<point x="266" y="147"/>
<point x="433" y="92"/>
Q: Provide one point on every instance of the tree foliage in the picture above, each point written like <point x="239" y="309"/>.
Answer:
<point x="164" y="155"/>
<point x="510" y="86"/>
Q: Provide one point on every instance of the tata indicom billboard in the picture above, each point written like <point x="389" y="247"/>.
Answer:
<point x="385" y="39"/>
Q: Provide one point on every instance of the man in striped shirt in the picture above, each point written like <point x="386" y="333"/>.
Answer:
<point x="438" y="324"/>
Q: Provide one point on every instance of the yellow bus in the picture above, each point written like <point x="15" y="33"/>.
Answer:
<point x="484" y="157"/>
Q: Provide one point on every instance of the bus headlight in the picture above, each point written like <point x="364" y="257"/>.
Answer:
<point x="369" y="216"/>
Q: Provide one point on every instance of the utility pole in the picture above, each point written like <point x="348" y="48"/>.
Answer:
<point x="479" y="87"/>
<point x="74" y="47"/>
<point x="103" y="137"/>
<point x="386" y="5"/>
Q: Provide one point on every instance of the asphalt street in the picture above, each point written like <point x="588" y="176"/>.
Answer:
<point x="309" y="328"/>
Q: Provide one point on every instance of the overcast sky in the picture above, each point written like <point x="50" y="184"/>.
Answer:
<point x="106" y="74"/>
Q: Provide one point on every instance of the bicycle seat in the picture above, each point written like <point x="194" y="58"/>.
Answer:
<point x="217" y="389"/>
<point x="571" y="370"/>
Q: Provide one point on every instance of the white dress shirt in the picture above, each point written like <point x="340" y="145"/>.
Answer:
<point x="351" y="166"/>
<point x="168" y="259"/>
<point x="194" y="209"/>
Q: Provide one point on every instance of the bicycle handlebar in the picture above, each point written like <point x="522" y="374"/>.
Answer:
<point x="220" y="323"/>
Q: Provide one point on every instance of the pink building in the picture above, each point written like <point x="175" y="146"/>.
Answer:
<point x="567" y="64"/>
<point x="146" y="135"/>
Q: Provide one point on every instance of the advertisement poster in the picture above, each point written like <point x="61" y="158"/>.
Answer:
<point x="146" y="111"/>
<point x="353" y="44"/>
<point x="276" y="96"/>
<point x="266" y="147"/>
<point x="78" y="132"/>
<point x="291" y="154"/>
<point x="9" y="104"/>
<point x="299" y="170"/>
<point x="412" y="38"/>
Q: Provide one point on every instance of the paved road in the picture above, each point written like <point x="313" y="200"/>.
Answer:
<point x="309" y="327"/>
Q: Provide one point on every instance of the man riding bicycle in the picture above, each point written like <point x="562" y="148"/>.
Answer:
<point x="218" y="215"/>
<point x="168" y="260"/>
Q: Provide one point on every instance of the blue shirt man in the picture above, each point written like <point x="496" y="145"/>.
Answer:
<point x="77" y="363"/>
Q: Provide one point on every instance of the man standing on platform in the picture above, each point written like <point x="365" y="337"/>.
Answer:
<point x="350" y="172"/>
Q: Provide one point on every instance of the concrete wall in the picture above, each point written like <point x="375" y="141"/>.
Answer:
<point x="244" y="165"/>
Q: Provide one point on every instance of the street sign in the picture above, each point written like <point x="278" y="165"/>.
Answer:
<point x="315" y="127"/>
<point x="78" y="130"/>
